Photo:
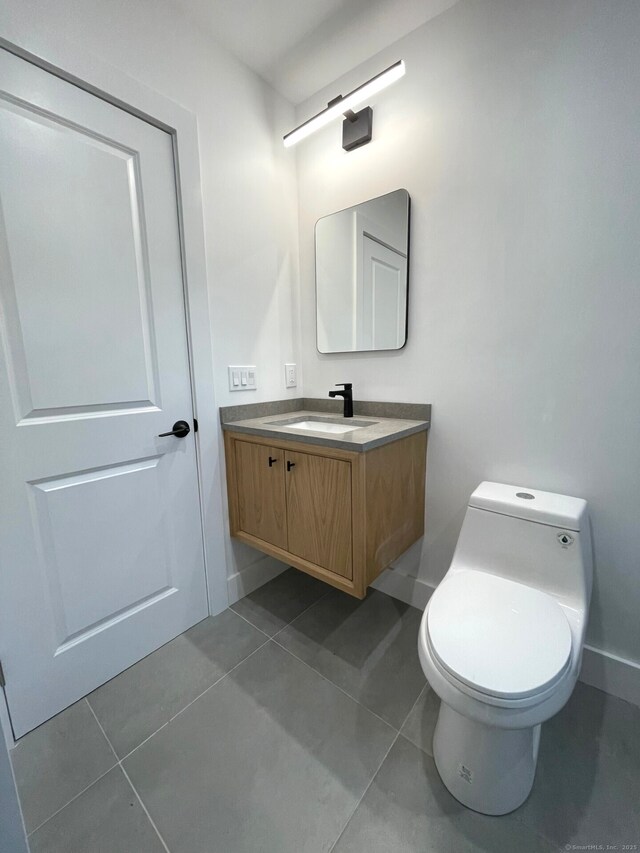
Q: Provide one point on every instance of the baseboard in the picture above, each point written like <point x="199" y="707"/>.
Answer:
<point x="615" y="675"/>
<point x="612" y="674"/>
<point x="5" y="723"/>
<point x="253" y="576"/>
<point x="405" y="588"/>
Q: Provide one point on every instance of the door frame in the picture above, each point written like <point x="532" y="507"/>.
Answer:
<point x="78" y="67"/>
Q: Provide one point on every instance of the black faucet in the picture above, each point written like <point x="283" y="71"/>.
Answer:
<point x="348" y="397"/>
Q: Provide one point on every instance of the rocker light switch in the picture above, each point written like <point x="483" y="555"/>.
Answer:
<point x="242" y="377"/>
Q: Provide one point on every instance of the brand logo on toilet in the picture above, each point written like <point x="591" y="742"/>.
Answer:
<point x="565" y="539"/>
<point x="465" y="773"/>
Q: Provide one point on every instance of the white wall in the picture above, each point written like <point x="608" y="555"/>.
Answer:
<point x="248" y="179"/>
<point x="516" y="133"/>
<point x="336" y="281"/>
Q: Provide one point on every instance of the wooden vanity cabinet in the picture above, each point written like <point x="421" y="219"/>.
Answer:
<point x="319" y="510"/>
<point x="261" y="501"/>
<point x="341" y="516"/>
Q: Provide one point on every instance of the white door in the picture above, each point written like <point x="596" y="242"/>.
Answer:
<point x="101" y="552"/>
<point x="384" y="296"/>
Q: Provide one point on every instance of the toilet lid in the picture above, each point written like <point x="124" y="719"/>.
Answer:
<point x="498" y="636"/>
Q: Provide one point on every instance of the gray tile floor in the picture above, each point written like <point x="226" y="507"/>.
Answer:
<point x="299" y="720"/>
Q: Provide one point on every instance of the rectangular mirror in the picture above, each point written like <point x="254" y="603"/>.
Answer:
<point x="362" y="276"/>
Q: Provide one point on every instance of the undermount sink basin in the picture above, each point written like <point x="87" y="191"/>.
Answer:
<point x="321" y="426"/>
<point x="331" y="427"/>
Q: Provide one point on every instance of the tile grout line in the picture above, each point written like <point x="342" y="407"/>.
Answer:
<point x="199" y="696"/>
<point x="313" y="669"/>
<point x="222" y="678"/>
<point x="118" y="761"/>
<point x="353" y="699"/>
<point x="384" y="758"/>
<point x="268" y="639"/>
<point x="337" y="686"/>
<point x="408" y="739"/>
<point x="280" y="630"/>
<point x="79" y="794"/>
<point x="142" y="742"/>
<point x="411" y="709"/>
<point x="101" y="727"/>
<point x="217" y="681"/>
<point x="295" y="618"/>
<point x="126" y="776"/>
<point x="166" y="723"/>
<point x="244" y="618"/>
<point x="277" y="643"/>
<point x="364" y="793"/>
<point x="144" y="808"/>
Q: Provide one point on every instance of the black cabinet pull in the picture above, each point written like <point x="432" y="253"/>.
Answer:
<point x="271" y="461"/>
<point x="290" y="465"/>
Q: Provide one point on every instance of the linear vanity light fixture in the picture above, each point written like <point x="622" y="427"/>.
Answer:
<point x="356" y="128"/>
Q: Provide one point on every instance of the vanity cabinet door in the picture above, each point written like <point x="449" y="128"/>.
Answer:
<point x="261" y="492"/>
<point x="318" y="491"/>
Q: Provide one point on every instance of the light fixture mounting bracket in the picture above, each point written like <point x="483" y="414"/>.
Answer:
<point x="357" y="128"/>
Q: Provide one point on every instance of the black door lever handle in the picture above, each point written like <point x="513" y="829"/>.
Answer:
<point x="180" y="429"/>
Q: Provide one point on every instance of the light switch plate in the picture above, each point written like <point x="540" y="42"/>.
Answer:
<point x="243" y="377"/>
<point x="290" y="375"/>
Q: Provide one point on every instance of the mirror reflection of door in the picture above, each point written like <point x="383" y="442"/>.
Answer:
<point x="384" y="297"/>
<point x="362" y="276"/>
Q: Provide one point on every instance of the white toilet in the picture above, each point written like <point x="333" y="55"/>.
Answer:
<point x="501" y="639"/>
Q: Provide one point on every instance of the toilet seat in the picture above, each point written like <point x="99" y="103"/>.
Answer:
<point x="499" y="637"/>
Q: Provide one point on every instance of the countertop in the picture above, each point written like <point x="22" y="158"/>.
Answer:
<point x="376" y="432"/>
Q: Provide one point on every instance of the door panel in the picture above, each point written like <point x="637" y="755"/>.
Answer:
<point x="100" y="535"/>
<point x="62" y="325"/>
<point x="319" y="511"/>
<point x="74" y="521"/>
<point x="261" y="498"/>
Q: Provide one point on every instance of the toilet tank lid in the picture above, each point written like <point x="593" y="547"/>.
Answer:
<point x="531" y="504"/>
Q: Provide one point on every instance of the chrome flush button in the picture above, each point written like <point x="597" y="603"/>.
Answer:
<point x="565" y="539"/>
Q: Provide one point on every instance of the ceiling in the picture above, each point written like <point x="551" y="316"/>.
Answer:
<point x="300" y="46"/>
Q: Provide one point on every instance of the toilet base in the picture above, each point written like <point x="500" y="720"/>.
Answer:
<point x="487" y="769"/>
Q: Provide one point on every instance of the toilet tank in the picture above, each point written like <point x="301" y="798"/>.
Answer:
<point x="536" y="538"/>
